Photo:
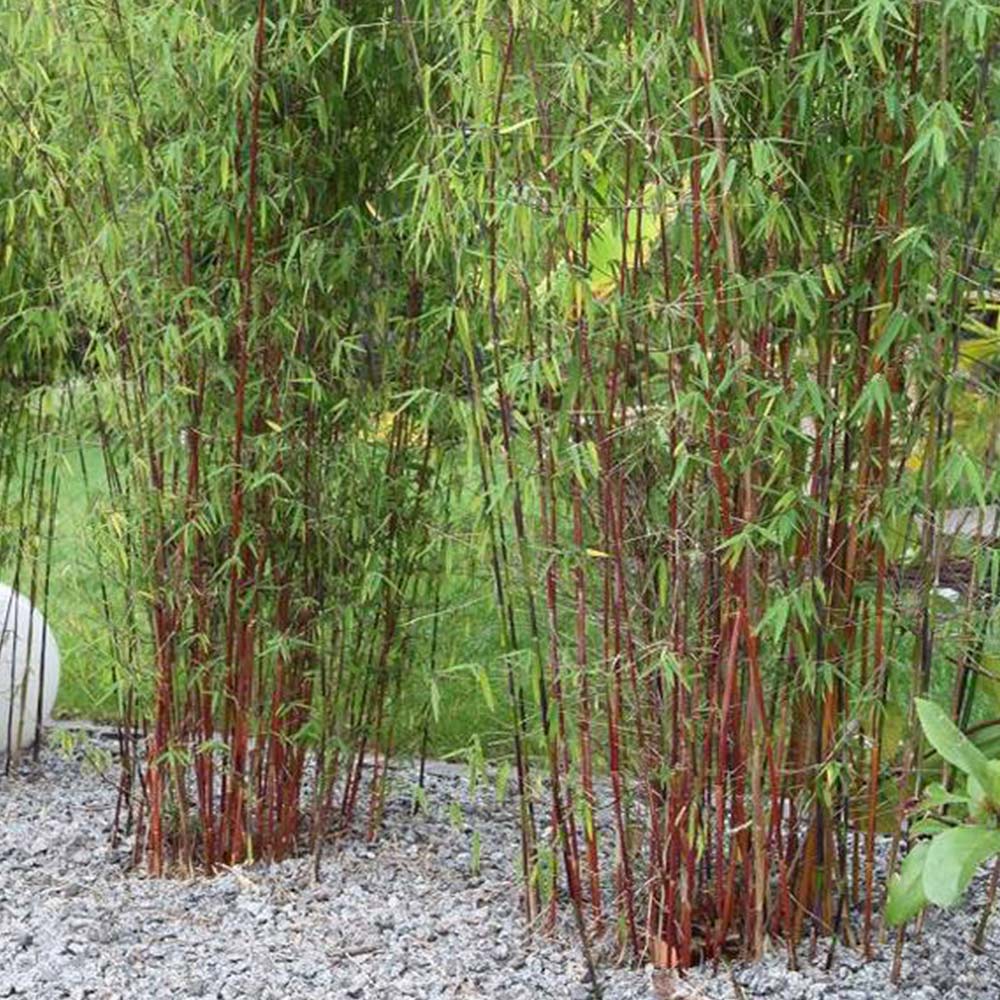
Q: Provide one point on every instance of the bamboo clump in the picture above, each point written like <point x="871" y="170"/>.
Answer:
<point x="664" y="333"/>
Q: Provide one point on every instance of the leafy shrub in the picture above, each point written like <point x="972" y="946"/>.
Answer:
<point x="938" y="869"/>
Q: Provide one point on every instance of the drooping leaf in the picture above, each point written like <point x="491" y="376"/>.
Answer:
<point x="956" y="748"/>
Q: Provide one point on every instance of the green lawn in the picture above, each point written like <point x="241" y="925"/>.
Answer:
<point x="75" y="608"/>
<point x="468" y="630"/>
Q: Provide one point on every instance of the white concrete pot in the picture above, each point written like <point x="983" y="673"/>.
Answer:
<point x="29" y="660"/>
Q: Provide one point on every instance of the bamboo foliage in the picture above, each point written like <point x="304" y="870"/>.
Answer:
<point x="233" y="408"/>
<point x="668" y="310"/>
<point x="734" y="423"/>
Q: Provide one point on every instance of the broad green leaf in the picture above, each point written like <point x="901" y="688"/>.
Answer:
<point x="981" y="805"/>
<point x="952" y="860"/>
<point x="906" y="893"/>
<point x="927" y="827"/>
<point x="955" y="747"/>
<point x="937" y="795"/>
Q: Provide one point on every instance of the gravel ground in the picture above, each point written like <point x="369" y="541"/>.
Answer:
<point x="402" y="918"/>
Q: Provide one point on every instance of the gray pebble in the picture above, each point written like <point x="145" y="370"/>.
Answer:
<point x="402" y="918"/>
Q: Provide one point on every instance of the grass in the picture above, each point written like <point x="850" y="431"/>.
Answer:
<point x="468" y="634"/>
<point x="75" y="612"/>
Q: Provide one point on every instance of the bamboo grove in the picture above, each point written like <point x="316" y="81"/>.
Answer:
<point x="668" y="330"/>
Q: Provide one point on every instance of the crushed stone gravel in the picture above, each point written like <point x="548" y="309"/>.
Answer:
<point x="412" y="915"/>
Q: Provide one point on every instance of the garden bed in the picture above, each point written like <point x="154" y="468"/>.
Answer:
<point x="407" y="916"/>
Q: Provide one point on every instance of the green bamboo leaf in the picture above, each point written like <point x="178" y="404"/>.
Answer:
<point x="346" y="69"/>
<point x="482" y="675"/>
